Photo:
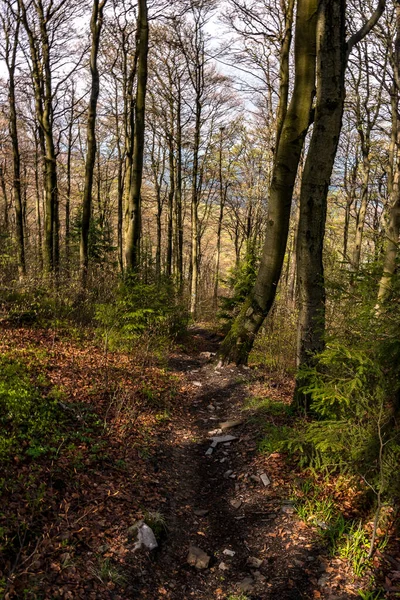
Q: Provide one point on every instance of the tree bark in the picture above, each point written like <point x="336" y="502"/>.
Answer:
<point x="11" y="46"/>
<point x="132" y="242"/>
<point x="331" y="66"/>
<point x="96" y="24"/>
<point x="331" y="63"/>
<point x="393" y="226"/>
<point x="39" y="44"/>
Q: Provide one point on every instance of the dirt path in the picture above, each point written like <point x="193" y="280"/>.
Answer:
<point x="271" y="554"/>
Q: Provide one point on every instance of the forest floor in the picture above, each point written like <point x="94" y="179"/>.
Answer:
<point x="134" y="444"/>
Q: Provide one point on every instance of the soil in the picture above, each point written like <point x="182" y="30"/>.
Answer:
<point x="216" y="502"/>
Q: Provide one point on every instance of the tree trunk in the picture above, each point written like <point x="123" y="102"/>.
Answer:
<point x="39" y="45"/>
<point x="331" y="66"/>
<point x="363" y="209"/>
<point x="178" y="195"/>
<point x="222" y="198"/>
<point x="194" y="263"/>
<point x="96" y="23"/>
<point x="331" y="63"/>
<point x="393" y="227"/>
<point x="284" y="69"/>
<point x="132" y="243"/>
<point x="171" y="195"/>
<point x="240" y="339"/>
<point x="10" y="56"/>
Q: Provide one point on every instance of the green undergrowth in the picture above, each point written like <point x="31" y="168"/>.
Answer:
<point x="344" y="536"/>
<point x="31" y="417"/>
<point x="349" y="438"/>
<point x="145" y="314"/>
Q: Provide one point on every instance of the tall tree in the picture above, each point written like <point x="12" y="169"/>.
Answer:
<point x="393" y="223"/>
<point x="132" y="242"/>
<point x="239" y="341"/>
<point x="332" y="59"/>
<point x="11" y="20"/>
<point x="96" y="24"/>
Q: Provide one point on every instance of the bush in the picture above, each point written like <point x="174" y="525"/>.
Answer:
<point x="141" y="310"/>
<point x="241" y="281"/>
<point x="354" y="430"/>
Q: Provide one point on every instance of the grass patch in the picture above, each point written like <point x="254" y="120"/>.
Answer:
<point x="275" y="438"/>
<point x="266" y="406"/>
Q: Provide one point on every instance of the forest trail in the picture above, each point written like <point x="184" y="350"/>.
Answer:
<point x="134" y="443"/>
<point x="257" y="546"/>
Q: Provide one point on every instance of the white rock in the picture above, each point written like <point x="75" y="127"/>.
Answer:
<point x="197" y="383"/>
<point x="265" y="479"/>
<point x="223" y="566"/>
<point x="223" y="439"/>
<point x="228" y="552"/>
<point x="145" y="538"/>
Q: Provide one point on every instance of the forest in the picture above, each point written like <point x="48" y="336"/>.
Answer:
<point x="199" y="299"/>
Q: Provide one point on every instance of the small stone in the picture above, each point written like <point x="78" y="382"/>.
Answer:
<point x="265" y="479"/>
<point x="223" y="566"/>
<point x="214" y="432"/>
<point x="223" y="459"/>
<point x="207" y="355"/>
<point x="197" y="384"/>
<point x="246" y="585"/>
<point x="209" y="451"/>
<point x="223" y="439"/>
<point x="228" y="552"/>
<point x="198" y="558"/>
<point x="259" y="576"/>
<point x="200" y="512"/>
<point x="288" y="510"/>
<point x="228" y="473"/>
<point x="255" y="478"/>
<point x="230" y="424"/>
<point x="236" y="503"/>
<point x="254" y="562"/>
<point x="211" y="407"/>
<point x="322" y="581"/>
